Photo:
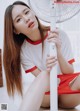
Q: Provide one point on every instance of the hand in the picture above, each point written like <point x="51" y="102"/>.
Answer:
<point x="54" y="37"/>
<point x="50" y="62"/>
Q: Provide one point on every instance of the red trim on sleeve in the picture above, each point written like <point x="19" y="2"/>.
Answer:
<point x="47" y="93"/>
<point x="71" y="61"/>
<point x="30" y="70"/>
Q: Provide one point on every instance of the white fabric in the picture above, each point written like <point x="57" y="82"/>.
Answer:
<point x="31" y="55"/>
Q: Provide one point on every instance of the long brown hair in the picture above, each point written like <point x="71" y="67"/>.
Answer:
<point x="11" y="53"/>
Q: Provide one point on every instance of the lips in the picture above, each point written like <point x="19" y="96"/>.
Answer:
<point x="30" y="24"/>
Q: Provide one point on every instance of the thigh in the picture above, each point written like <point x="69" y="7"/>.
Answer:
<point x="69" y="100"/>
<point x="46" y="101"/>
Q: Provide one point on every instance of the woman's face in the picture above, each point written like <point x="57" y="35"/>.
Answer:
<point x="24" y="20"/>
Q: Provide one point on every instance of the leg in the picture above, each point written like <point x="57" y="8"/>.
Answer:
<point x="75" y="85"/>
<point x="33" y="98"/>
<point x="71" y="100"/>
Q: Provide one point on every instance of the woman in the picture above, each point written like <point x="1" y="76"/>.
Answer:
<point x="26" y="42"/>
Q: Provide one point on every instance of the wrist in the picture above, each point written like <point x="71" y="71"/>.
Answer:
<point x="59" y="52"/>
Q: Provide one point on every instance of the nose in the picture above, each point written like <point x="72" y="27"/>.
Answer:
<point x="26" y="19"/>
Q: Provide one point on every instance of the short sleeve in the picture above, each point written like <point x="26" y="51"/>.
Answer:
<point x="66" y="47"/>
<point x="26" y="60"/>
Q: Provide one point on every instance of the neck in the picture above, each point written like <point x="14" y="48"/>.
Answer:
<point x="35" y="35"/>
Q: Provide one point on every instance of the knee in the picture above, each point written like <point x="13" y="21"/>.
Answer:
<point x="78" y="79"/>
<point x="77" y="83"/>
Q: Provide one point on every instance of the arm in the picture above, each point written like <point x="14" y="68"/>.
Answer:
<point x="33" y="97"/>
<point x="65" y="67"/>
<point x="63" y="63"/>
<point x="36" y="72"/>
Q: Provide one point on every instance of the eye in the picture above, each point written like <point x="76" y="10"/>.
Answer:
<point x="18" y="19"/>
<point x="26" y="12"/>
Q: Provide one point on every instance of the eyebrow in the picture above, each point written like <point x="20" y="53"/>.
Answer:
<point x="19" y="15"/>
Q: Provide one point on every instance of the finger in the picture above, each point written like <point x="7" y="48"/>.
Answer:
<point x="48" y="69"/>
<point x="52" y="40"/>
<point x="55" y="40"/>
<point x="51" y="65"/>
<point x="51" y="61"/>
<point x="53" y="35"/>
<point x="55" y="31"/>
<point x="50" y="58"/>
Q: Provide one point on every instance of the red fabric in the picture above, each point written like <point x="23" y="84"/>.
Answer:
<point x="64" y="87"/>
<point x="30" y="70"/>
<point x="36" y="42"/>
<point x="71" y="61"/>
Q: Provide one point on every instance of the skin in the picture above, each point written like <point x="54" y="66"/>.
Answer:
<point x="25" y="16"/>
<point x="22" y="16"/>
